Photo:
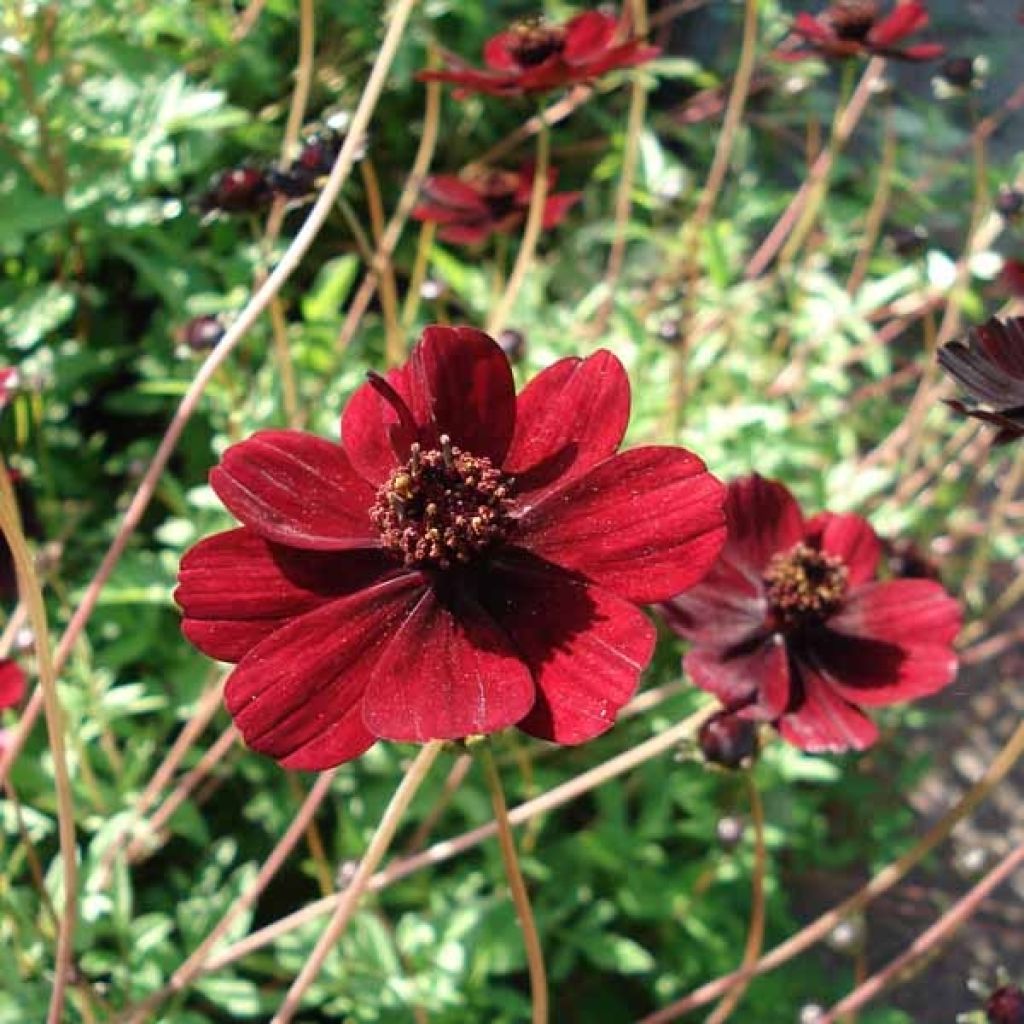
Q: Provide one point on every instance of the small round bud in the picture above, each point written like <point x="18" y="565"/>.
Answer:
<point x="726" y="739"/>
<point x="202" y="333"/>
<point x="958" y="71"/>
<point x="729" y="831"/>
<point x="512" y="343"/>
<point x="1009" y="202"/>
<point x="1005" y="1006"/>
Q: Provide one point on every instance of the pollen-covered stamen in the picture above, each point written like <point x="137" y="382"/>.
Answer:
<point x="804" y="586"/>
<point x="853" y="19"/>
<point x="534" y="40"/>
<point x="443" y="507"/>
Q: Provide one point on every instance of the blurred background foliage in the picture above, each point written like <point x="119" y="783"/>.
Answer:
<point x="116" y="114"/>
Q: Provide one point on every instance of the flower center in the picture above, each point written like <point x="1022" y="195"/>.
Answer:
<point x="534" y="40"/>
<point x="498" y="191"/>
<point x="804" y="586"/>
<point x="443" y="507"/>
<point x="853" y="19"/>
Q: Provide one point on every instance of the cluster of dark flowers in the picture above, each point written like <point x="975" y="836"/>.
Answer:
<point x="468" y="559"/>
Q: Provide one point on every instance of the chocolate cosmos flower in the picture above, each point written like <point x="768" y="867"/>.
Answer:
<point x="990" y="368"/>
<point x="534" y="56"/>
<point x="463" y="561"/>
<point x="790" y="626"/>
<point x="473" y="208"/>
<point x="856" y="28"/>
<point x="12" y="684"/>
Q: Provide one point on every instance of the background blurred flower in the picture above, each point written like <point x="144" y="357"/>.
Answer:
<point x="536" y="56"/>
<point x="856" y="28"/>
<point x="12" y="684"/>
<point x="791" y="627"/>
<point x="990" y="368"/>
<point x="464" y="561"/>
<point x="472" y="208"/>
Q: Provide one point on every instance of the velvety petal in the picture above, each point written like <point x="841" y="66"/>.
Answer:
<point x="627" y="55"/>
<point x="371" y="432"/>
<point x="568" y="418"/>
<point x="471" y="80"/>
<point x="899" y="611"/>
<point x="852" y="539"/>
<point x="904" y="19"/>
<point x="808" y="27"/>
<point x="764" y="519"/>
<point x="12" y="683"/>
<point x="824" y="722"/>
<point x="585" y="647"/>
<point x="466" y="234"/>
<point x="435" y="213"/>
<point x="587" y="35"/>
<point x="557" y="207"/>
<point x="297" y="489"/>
<point x="498" y="53"/>
<point x="460" y="383"/>
<point x="647" y="524"/>
<point x="448" y="672"/>
<point x="756" y="672"/>
<point x="448" y="190"/>
<point x="725" y="609"/>
<point x="298" y="696"/>
<point x="235" y="588"/>
<point x="921" y="51"/>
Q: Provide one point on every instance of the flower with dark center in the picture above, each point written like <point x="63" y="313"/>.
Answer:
<point x="728" y="740"/>
<point x="857" y="28"/>
<point x="1005" y="1005"/>
<point x="535" y="56"/>
<point x="990" y="368"/>
<point x="202" y="333"/>
<point x="238" y="190"/>
<point x="791" y="626"/>
<point x="465" y="560"/>
<point x="485" y="202"/>
<point x="1009" y="201"/>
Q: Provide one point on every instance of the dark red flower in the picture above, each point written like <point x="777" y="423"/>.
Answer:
<point x="238" y="190"/>
<point x="463" y="561"/>
<point x="12" y="684"/>
<point x="990" y="368"/>
<point x="791" y="627"/>
<point x="202" y="333"/>
<point x="536" y="56"/>
<point x="856" y="28"/>
<point x="472" y="208"/>
<point x="1005" y="1006"/>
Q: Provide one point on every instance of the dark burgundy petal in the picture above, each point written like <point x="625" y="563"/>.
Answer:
<point x="498" y="53"/>
<point x="570" y="417"/>
<point x="450" y="191"/>
<point x="371" y="431"/>
<point x="471" y="80"/>
<point x="460" y="384"/>
<point x="647" y="524"/>
<point x="726" y="608"/>
<point x="235" y="588"/>
<point x="764" y="519"/>
<point x="921" y="51"/>
<point x="298" y="696"/>
<point x="824" y="722"/>
<point x="899" y="611"/>
<point x="587" y="35"/>
<point x="904" y="19"/>
<point x="297" y="489"/>
<point x="448" y="672"/>
<point x="756" y="672"/>
<point x="1002" y="342"/>
<point x="466" y="234"/>
<point x="852" y="539"/>
<point x="585" y="647"/>
<point x="435" y="213"/>
<point x="809" y="28"/>
<point x="12" y="683"/>
<point x="557" y="207"/>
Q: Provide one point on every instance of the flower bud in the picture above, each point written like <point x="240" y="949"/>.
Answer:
<point x="1005" y="1006"/>
<point x="202" y="333"/>
<point x="729" y="831"/>
<point x="1010" y="201"/>
<point x="728" y="740"/>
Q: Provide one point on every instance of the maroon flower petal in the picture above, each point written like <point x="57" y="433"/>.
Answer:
<point x="904" y="19"/>
<point x="585" y="647"/>
<point x="627" y="55"/>
<point x="448" y="672"/>
<point x="296" y="489"/>
<point x="466" y="234"/>
<point x="757" y="671"/>
<point x="824" y="722"/>
<point x="460" y="384"/>
<point x="647" y="524"/>
<point x="809" y="28"/>
<point x="570" y="417"/>
<point x="725" y="609"/>
<point x="371" y="430"/>
<point x="235" y="588"/>
<point x="852" y="539"/>
<point x="587" y="35"/>
<point x="298" y="695"/>
<point x="557" y="207"/>
<point x="899" y="611"/>
<point x="450" y="191"/>
<point x="921" y="51"/>
<point x="764" y="519"/>
<point x="12" y="683"/>
<point x="498" y="52"/>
